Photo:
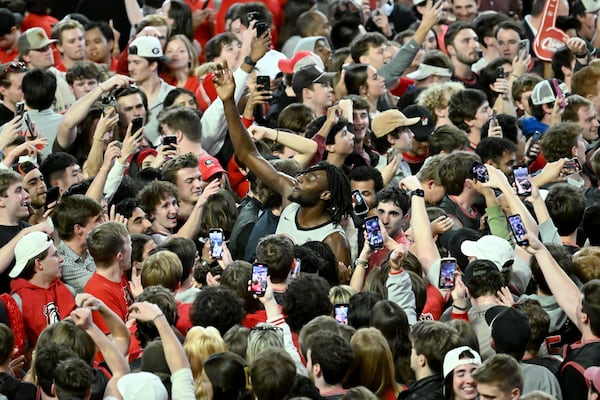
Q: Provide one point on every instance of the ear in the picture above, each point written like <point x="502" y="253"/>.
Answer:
<point x="330" y="148"/>
<point x="574" y="151"/>
<point x="430" y="184"/>
<point x="489" y="41"/>
<point x="306" y="93"/>
<point x="326" y="195"/>
<point x="391" y="140"/>
<point x="451" y="50"/>
<point x="77" y="229"/>
<point x="440" y="112"/>
<point x="422" y="360"/>
<point x="519" y="105"/>
<point x="566" y="71"/>
<point x="515" y="394"/>
<point x="154" y="65"/>
<point x="26" y="58"/>
<point x="363" y="59"/>
<point x="469" y="122"/>
<point x="547" y="109"/>
<point x="492" y="343"/>
<point x="179" y="136"/>
<point x="363" y="90"/>
<point x="317" y="370"/>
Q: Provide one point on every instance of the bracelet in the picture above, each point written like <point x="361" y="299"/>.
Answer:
<point x="158" y="316"/>
<point x="361" y="263"/>
<point x="460" y="308"/>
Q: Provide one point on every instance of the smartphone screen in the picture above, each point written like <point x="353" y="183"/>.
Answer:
<point x="296" y="270"/>
<point x="360" y="206"/>
<point x="518" y="228"/>
<point x="479" y="172"/>
<point x="261" y="28"/>
<point x="263" y="82"/>
<point x="52" y="195"/>
<point x="20" y="108"/>
<point x="136" y="124"/>
<point x="521" y="176"/>
<point x="374" y="233"/>
<point x="341" y="313"/>
<point x="447" y="268"/>
<point x="215" y="236"/>
<point x="572" y="166"/>
<point x="170" y="141"/>
<point x="259" y="279"/>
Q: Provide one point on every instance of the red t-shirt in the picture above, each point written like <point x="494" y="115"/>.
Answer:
<point x="7" y="56"/>
<point x="38" y="21"/>
<point x="116" y="295"/>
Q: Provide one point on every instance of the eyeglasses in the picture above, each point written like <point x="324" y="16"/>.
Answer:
<point x="42" y="49"/>
<point x="12" y="67"/>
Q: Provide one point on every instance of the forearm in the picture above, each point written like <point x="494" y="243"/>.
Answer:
<point x="96" y="189"/>
<point x="425" y="247"/>
<point x="118" y="330"/>
<point x="134" y="13"/>
<point x="191" y="228"/>
<point x="113" y="180"/>
<point x="94" y="160"/>
<point x="396" y="67"/>
<point x="67" y="132"/>
<point x="175" y="355"/>
<point x="114" y="359"/>
<point x="497" y="222"/>
<point x="295" y="142"/>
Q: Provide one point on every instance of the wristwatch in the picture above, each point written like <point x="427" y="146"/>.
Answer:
<point x="361" y="263"/>
<point x="418" y="192"/>
<point x="248" y="60"/>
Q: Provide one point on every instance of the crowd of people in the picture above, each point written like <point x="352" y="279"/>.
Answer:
<point x="311" y="199"/>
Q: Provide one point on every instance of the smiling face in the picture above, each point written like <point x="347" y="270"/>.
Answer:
<point x="36" y="187"/>
<point x="98" y="49"/>
<point x="375" y="83"/>
<point x="164" y="218"/>
<point x="16" y="201"/>
<point x="463" y="384"/>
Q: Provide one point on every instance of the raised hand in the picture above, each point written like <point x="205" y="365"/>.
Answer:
<point x="224" y="83"/>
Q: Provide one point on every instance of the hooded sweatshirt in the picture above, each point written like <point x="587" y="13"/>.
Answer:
<point x="41" y="307"/>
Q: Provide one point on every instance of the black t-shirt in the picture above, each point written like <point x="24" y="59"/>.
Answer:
<point x="7" y="233"/>
<point x="5" y="114"/>
<point x="14" y="389"/>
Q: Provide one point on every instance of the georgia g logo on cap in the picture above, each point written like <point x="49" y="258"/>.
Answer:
<point x="155" y="50"/>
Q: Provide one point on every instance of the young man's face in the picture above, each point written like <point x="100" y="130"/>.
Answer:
<point x="189" y="185"/>
<point x="36" y="187"/>
<point x="71" y="176"/>
<point x="321" y="95"/>
<point x="13" y="94"/>
<point x="16" y="201"/>
<point x="39" y="58"/>
<point x="81" y="87"/>
<point x="140" y="69"/>
<point x="139" y="222"/>
<point x="72" y="45"/>
<point x="507" y="42"/>
<point x="131" y="107"/>
<point x="231" y="53"/>
<point x="98" y="49"/>
<point x="404" y="140"/>
<point x="125" y="263"/>
<point x="390" y="216"/>
<point x="588" y="121"/>
<point x="343" y="142"/>
<point x="91" y="223"/>
<point x="482" y="115"/>
<point x="489" y="391"/>
<point x="309" y="187"/>
<point x="507" y="162"/>
<point x="9" y="41"/>
<point x="465" y="48"/>
<point x="361" y="123"/>
<point x="375" y="56"/>
<point x="465" y="10"/>
<point x="524" y="102"/>
<point x="165" y="214"/>
<point x="52" y="265"/>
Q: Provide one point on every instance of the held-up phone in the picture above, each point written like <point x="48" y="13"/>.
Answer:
<point x="559" y="93"/>
<point x="494" y="119"/>
<point x="571" y="166"/>
<point x="360" y="205"/>
<point x="479" y="172"/>
<point x="500" y="72"/>
<point x="374" y="233"/>
<point x="258" y="285"/>
<point x="518" y="229"/>
<point x="215" y="235"/>
<point x="252" y="16"/>
<point x="20" y="108"/>
<point x="51" y="196"/>
<point x="30" y="127"/>
<point x="296" y="270"/>
<point x="524" y="45"/>
<point x="261" y="28"/>
<point x="521" y="176"/>
<point x="136" y="124"/>
<point x="170" y="141"/>
<point x="340" y="311"/>
<point x="447" y="268"/>
<point x="263" y="82"/>
<point x="390" y="155"/>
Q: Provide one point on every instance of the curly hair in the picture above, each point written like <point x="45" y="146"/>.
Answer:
<point x="437" y="96"/>
<point x="299" y="307"/>
<point x="219" y="307"/>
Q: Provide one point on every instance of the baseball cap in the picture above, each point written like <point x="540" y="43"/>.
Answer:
<point x="585" y="6"/>
<point x="147" y="47"/>
<point x="142" y="385"/>
<point x="300" y="60"/>
<point x="7" y="21"/>
<point x="306" y="76"/>
<point x="30" y="246"/>
<point x="425" y="71"/>
<point x="489" y="247"/>
<point x="425" y="126"/>
<point x="509" y="327"/>
<point x="593" y="374"/>
<point x="33" y="39"/>
<point x="479" y="268"/>
<point x="452" y="360"/>
<point x="387" y="121"/>
<point x="209" y="166"/>
<point x="543" y="92"/>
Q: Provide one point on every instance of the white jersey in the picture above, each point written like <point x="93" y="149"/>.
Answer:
<point x="288" y="225"/>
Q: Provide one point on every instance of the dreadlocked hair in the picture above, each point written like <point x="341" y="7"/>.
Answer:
<point x="340" y="203"/>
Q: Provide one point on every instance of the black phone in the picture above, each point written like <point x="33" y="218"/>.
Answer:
<point x="479" y="172"/>
<point x="518" y="229"/>
<point x="296" y="270"/>
<point x="51" y="195"/>
<point x="500" y="72"/>
<point x="261" y="28"/>
<point x="374" y="233"/>
<point x="263" y="82"/>
<point x="360" y="206"/>
<point x="136" y="124"/>
<point x="521" y="177"/>
<point x="524" y="45"/>
<point x="258" y="284"/>
<point x="170" y="141"/>
<point x="252" y="15"/>
<point x="447" y="268"/>
<point x="215" y="235"/>
<point x="28" y="122"/>
<point x="20" y="108"/>
<point x="572" y="166"/>
<point x="340" y="311"/>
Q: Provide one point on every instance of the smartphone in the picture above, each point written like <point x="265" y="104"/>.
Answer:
<point x="479" y="172"/>
<point x="518" y="229"/>
<point x="215" y="235"/>
<point x="30" y="127"/>
<point x="572" y="166"/>
<point x="263" y="82"/>
<point x="524" y="45"/>
<point x="296" y="270"/>
<point x="447" y="268"/>
<point x="136" y="124"/>
<point x="252" y="15"/>
<point x="51" y="195"/>
<point x="500" y="72"/>
<point x="340" y="311"/>
<point x="360" y="206"/>
<point x="521" y="177"/>
<point x="259" y="279"/>
<point x="261" y="28"/>
<point x="559" y="92"/>
<point x="170" y="141"/>
<point x="20" y="108"/>
<point x="374" y="233"/>
<point x="494" y="119"/>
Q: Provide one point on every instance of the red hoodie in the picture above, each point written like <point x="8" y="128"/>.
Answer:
<point x="42" y="307"/>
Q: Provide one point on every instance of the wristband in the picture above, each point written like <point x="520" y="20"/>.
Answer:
<point x="158" y="316"/>
<point x="418" y="193"/>
<point x="361" y="263"/>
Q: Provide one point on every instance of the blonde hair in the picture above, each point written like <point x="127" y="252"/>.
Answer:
<point x="437" y="96"/>
<point x="200" y="343"/>
<point x="163" y="268"/>
<point x="190" y="49"/>
<point x="341" y="294"/>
